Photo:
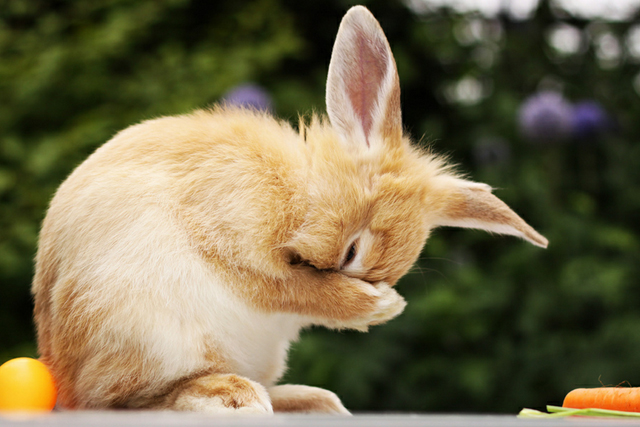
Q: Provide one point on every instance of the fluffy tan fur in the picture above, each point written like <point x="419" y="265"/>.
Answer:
<point x="178" y="262"/>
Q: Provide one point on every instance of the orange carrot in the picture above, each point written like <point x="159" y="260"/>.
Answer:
<point x="615" y="398"/>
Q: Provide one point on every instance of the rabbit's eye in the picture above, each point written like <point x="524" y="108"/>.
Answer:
<point x="295" y="259"/>
<point x="351" y="254"/>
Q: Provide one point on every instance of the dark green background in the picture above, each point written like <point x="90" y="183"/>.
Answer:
<point x="493" y="324"/>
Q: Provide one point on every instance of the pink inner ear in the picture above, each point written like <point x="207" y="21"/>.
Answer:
<point x="366" y="77"/>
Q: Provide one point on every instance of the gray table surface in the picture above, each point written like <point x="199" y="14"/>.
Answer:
<point x="147" y="418"/>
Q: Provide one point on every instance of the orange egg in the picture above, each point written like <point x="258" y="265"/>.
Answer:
<point x="26" y="385"/>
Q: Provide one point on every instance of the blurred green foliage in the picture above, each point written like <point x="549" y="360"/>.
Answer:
<point x="493" y="324"/>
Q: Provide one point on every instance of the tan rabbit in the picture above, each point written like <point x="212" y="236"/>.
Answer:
<point x="178" y="262"/>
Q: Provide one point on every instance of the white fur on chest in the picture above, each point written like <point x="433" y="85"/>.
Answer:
<point x="212" y="319"/>
<point x="253" y="343"/>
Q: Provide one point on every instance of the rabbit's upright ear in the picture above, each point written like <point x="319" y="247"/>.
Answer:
<point x="471" y="205"/>
<point x="363" y="90"/>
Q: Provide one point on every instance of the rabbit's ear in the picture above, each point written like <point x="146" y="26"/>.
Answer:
<point x="363" y="90"/>
<point x="472" y="205"/>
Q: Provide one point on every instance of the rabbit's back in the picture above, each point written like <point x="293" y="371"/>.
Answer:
<point x="229" y="182"/>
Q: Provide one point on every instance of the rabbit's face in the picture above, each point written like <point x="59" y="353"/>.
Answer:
<point x="366" y="215"/>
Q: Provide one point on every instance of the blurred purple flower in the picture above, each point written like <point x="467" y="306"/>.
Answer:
<point x="590" y="120"/>
<point x="249" y="96"/>
<point x="546" y="117"/>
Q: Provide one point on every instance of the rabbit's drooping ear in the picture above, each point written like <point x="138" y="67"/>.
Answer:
<point x="471" y="205"/>
<point x="363" y="90"/>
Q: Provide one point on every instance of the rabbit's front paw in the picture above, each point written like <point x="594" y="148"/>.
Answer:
<point x="388" y="304"/>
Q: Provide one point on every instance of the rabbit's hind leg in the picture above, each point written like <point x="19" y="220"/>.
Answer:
<point x="220" y="394"/>
<point x="305" y="399"/>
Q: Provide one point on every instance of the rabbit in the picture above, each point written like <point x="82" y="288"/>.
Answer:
<point x="178" y="262"/>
